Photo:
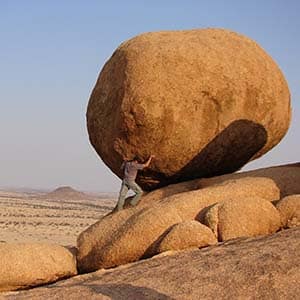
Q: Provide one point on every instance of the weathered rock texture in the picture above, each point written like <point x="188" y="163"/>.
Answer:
<point x="129" y="235"/>
<point x="244" y="217"/>
<point x="285" y="177"/>
<point x="289" y="209"/>
<point x="188" y="234"/>
<point x="27" y="265"/>
<point x="255" y="268"/>
<point x="205" y="102"/>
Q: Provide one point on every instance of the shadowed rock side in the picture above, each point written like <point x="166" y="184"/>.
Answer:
<point x="130" y="234"/>
<point x="231" y="149"/>
<point x="25" y="265"/>
<point x="286" y="177"/>
<point x="204" y="102"/>
<point x="254" y="268"/>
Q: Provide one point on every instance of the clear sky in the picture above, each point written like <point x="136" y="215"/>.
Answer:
<point x="51" y="53"/>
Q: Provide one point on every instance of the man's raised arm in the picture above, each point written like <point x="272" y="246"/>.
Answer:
<point x="147" y="163"/>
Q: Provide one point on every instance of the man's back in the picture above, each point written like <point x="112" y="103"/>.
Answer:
<point x="130" y="170"/>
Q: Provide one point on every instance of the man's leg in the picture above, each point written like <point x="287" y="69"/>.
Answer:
<point x="123" y="192"/>
<point x="138" y="192"/>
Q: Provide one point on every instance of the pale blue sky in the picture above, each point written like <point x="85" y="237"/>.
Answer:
<point x="52" y="52"/>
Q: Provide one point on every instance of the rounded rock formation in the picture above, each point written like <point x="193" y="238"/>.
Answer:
<point x="184" y="235"/>
<point x="131" y="234"/>
<point x="204" y="102"/>
<point x="289" y="210"/>
<point x="244" y="217"/>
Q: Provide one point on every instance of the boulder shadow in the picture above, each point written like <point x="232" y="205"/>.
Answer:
<point x="229" y="151"/>
<point x="127" y="291"/>
<point x="115" y="291"/>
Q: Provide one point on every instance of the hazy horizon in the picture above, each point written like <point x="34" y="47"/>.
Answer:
<point x="51" y="55"/>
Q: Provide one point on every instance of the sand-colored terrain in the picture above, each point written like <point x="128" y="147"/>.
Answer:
<point x="55" y="217"/>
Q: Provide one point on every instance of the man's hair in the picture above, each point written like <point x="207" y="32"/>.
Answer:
<point x="135" y="158"/>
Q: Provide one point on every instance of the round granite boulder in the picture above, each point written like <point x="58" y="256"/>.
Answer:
<point x="204" y="102"/>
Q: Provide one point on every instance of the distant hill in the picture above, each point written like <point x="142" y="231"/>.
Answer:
<point x="67" y="193"/>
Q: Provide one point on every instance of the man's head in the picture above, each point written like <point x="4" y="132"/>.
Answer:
<point x="136" y="159"/>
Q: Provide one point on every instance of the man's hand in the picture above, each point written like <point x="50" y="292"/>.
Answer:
<point x="148" y="161"/>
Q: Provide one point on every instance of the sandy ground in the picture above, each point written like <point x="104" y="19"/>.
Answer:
<point x="25" y="217"/>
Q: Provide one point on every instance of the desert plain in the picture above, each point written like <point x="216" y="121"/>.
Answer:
<point x="55" y="217"/>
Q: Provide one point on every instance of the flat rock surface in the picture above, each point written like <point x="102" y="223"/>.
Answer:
<point x="254" y="268"/>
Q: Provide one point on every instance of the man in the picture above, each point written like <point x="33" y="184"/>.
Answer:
<point x="130" y="172"/>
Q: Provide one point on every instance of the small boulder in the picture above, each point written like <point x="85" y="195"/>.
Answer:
<point x="243" y="217"/>
<point x="25" y="265"/>
<point x="188" y="234"/>
<point x="289" y="210"/>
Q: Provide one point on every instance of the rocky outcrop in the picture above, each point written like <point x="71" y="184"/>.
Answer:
<point x="266" y="267"/>
<point x="188" y="234"/>
<point x="25" y="265"/>
<point x="285" y="177"/>
<point x="205" y="102"/>
<point x="128" y="235"/>
<point x="244" y="217"/>
<point x="289" y="209"/>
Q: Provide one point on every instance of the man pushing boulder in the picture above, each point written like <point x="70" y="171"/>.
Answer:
<point x="130" y="172"/>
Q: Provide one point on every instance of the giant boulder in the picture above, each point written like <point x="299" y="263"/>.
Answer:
<point x="204" y="102"/>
